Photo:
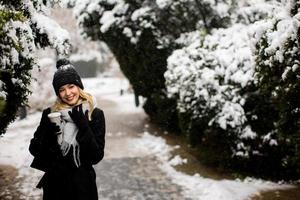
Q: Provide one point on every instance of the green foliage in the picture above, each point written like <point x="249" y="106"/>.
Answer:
<point x="19" y="36"/>
<point x="6" y="15"/>
<point x="16" y="94"/>
<point x="278" y="79"/>
<point x="12" y="3"/>
<point x="14" y="75"/>
<point x="215" y="148"/>
<point x="2" y="105"/>
<point x="164" y="109"/>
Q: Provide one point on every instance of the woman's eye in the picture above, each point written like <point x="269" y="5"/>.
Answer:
<point x="71" y="86"/>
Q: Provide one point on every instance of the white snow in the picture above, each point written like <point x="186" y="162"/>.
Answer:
<point x="107" y="20"/>
<point x="163" y="3"/>
<point x="25" y="40"/>
<point x="127" y="31"/>
<point x="139" y="13"/>
<point x="278" y="30"/>
<point x="2" y="93"/>
<point x="14" y="151"/>
<point x="58" y="37"/>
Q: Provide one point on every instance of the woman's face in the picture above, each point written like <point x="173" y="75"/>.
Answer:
<point x="69" y="94"/>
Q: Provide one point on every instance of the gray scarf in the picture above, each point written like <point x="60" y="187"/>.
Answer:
<point x="69" y="130"/>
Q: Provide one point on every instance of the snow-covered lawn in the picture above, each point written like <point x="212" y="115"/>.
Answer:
<point x="14" y="151"/>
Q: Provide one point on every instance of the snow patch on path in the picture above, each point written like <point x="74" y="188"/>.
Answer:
<point x="197" y="187"/>
<point x="14" y="151"/>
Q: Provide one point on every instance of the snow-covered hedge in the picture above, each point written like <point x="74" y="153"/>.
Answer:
<point x="278" y="73"/>
<point x="225" y="93"/>
<point x="24" y="25"/>
<point x="165" y="19"/>
<point x="208" y="77"/>
<point x="194" y="62"/>
<point x="143" y="33"/>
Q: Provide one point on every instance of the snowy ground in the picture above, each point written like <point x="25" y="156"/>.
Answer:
<point x="14" y="151"/>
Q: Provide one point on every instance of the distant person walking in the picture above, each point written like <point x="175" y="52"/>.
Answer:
<point x="69" y="140"/>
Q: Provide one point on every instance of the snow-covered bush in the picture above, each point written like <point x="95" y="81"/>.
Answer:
<point x="212" y="79"/>
<point x="166" y="20"/>
<point x="23" y="27"/>
<point x="142" y="34"/>
<point x="278" y="60"/>
<point x="209" y="78"/>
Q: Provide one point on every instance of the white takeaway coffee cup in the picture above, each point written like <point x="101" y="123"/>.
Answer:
<point x="55" y="117"/>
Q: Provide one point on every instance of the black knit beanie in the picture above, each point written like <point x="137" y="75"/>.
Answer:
<point x="65" y="74"/>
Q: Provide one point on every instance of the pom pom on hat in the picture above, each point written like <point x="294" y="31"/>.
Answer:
<point x="62" y="62"/>
<point x="65" y="74"/>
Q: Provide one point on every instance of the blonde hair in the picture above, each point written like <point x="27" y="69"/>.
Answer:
<point x="83" y="97"/>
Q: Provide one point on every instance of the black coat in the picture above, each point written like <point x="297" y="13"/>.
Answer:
<point x="62" y="179"/>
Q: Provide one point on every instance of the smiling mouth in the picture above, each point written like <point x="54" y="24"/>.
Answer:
<point x="70" y="98"/>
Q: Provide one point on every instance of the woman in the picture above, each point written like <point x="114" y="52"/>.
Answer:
<point x="67" y="151"/>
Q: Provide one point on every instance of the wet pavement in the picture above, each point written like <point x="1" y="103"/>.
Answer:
<point x="125" y="173"/>
<point x="134" y="178"/>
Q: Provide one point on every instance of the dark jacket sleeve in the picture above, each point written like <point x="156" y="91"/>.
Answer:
<point x="43" y="145"/>
<point x="92" y="139"/>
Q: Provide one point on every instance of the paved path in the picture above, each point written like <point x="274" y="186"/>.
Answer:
<point x="125" y="174"/>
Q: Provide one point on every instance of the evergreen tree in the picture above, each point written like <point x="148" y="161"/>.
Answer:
<point x="278" y="72"/>
<point x="24" y="26"/>
<point x="142" y="34"/>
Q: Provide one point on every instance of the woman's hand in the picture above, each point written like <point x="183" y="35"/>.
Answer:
<point x="48" y="125"/>
<point x="79" y="118"/>
<point x="55" y="128"/>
